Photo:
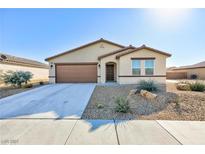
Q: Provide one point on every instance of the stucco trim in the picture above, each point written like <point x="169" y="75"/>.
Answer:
<point x="83" y="46"/>
<point x="143" y="58"/>
<point x="141" y="75"/>
<point x="116" y="51"/>
<point x="186" y="68"/>
<point x="83" y="63"/>
<point x="143" y="47"/>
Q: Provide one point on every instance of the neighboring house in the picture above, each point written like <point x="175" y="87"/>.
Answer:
<point x="12" y="63"/>
<point x="187" y="72"/>
<point x="105" y="61"/>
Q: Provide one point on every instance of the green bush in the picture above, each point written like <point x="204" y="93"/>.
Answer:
<point x="100" y="106"/>
<point x="122" y="105"/>
<point x="41" y="83"/>
<point x="28" y="85"/>
<point x="197" y="86"/>
<point x="16" y="78"/>
<point x="147" y="85"/>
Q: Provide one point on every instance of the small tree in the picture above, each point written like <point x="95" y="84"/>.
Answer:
<point x="16" y="78"/>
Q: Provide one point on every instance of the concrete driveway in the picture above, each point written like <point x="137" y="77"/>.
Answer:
<point x="50" y="101"/>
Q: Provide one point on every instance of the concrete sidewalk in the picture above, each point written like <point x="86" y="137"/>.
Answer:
<point x="84" y="132"/>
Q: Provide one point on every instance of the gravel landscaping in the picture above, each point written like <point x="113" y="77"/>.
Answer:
<point x="9" y="90"/>
<point x="170" y="105"/>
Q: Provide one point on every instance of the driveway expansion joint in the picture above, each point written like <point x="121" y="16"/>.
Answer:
<point x="70" y="132"/>
<point x="118" y="141"/>
<point x="168" y="132"/>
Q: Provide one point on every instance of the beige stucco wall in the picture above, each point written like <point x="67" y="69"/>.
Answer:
<point x="103" y="67"/>
<point x="87" y="54"/>
<point x="159" y="63"/>
<point x="125" y="66"/>
<point x="38" y="73"/>
<point x="103" y="61"/>
<point x="52" y="73"/>
<point x="135" y="80"/>
<point x="200" y="72"/>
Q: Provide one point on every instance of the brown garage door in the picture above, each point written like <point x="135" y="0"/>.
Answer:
<point x="73" y="73"/>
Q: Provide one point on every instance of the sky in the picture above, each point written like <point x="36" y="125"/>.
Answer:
<point x="41" y="33"/>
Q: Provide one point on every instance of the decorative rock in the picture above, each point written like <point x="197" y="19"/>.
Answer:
<point x="183" y="86"/>
<point x="133" y="92"/>
<point x="147" y="94"/>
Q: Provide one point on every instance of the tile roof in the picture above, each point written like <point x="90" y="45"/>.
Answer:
<point x="197" y="65"/>
<point x="143" y="47"/>
<point x="13" y="60"/>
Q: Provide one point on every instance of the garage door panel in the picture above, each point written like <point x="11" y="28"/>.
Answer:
<point x="76" y="73"/>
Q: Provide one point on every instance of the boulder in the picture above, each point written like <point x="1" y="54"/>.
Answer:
<point x="133" y="92"/>
<point x="147" y="94"/>
<point x="183" y="86"/>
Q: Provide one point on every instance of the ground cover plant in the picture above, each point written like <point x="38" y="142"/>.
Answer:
<point x="122" y="105"/>
<point x="191" y="86"/>
<point x="147" y="85"/>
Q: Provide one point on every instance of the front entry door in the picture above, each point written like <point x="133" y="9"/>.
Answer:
<point x="110" y="73"/>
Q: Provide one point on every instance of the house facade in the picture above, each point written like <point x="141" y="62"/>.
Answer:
<point x="13" y="63"/>
<point x="196" y="71"/>
<point x="104" y="61"/>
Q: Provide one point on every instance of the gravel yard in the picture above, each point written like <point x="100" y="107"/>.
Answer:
<point x="190" y="105"/>
<point x="9" y="90"/>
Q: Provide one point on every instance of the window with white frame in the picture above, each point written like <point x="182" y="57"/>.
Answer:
<point x="136" y="67"/>
<point x="149" y="67"/>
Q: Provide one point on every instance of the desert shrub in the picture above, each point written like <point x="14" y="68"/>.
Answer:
<point x="183" y="85"/>
<point x="193" y="76"/>
<point x="197" y="86"/>
<point x="41" y="83"/>
<point x="100" y="106"/>
<point x="16" y="78"/>
<point x="28" y="85"/>
<point x="147" y="85"/>
<point x="122" y="105"/>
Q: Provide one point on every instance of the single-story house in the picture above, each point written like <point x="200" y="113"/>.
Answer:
<point x="105" y="61"/>
<point x="187" y="72"/>
<point x="13" y="63"/>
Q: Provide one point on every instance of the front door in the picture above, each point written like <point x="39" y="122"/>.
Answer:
<point x="110" y="73"/>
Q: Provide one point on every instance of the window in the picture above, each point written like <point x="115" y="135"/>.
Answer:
<point x="136" y="67"/>
<point x="149" y="67"/>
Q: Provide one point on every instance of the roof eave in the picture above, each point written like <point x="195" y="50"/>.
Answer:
<point x="115" y="52"/>
<point x="144" y="47"/>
